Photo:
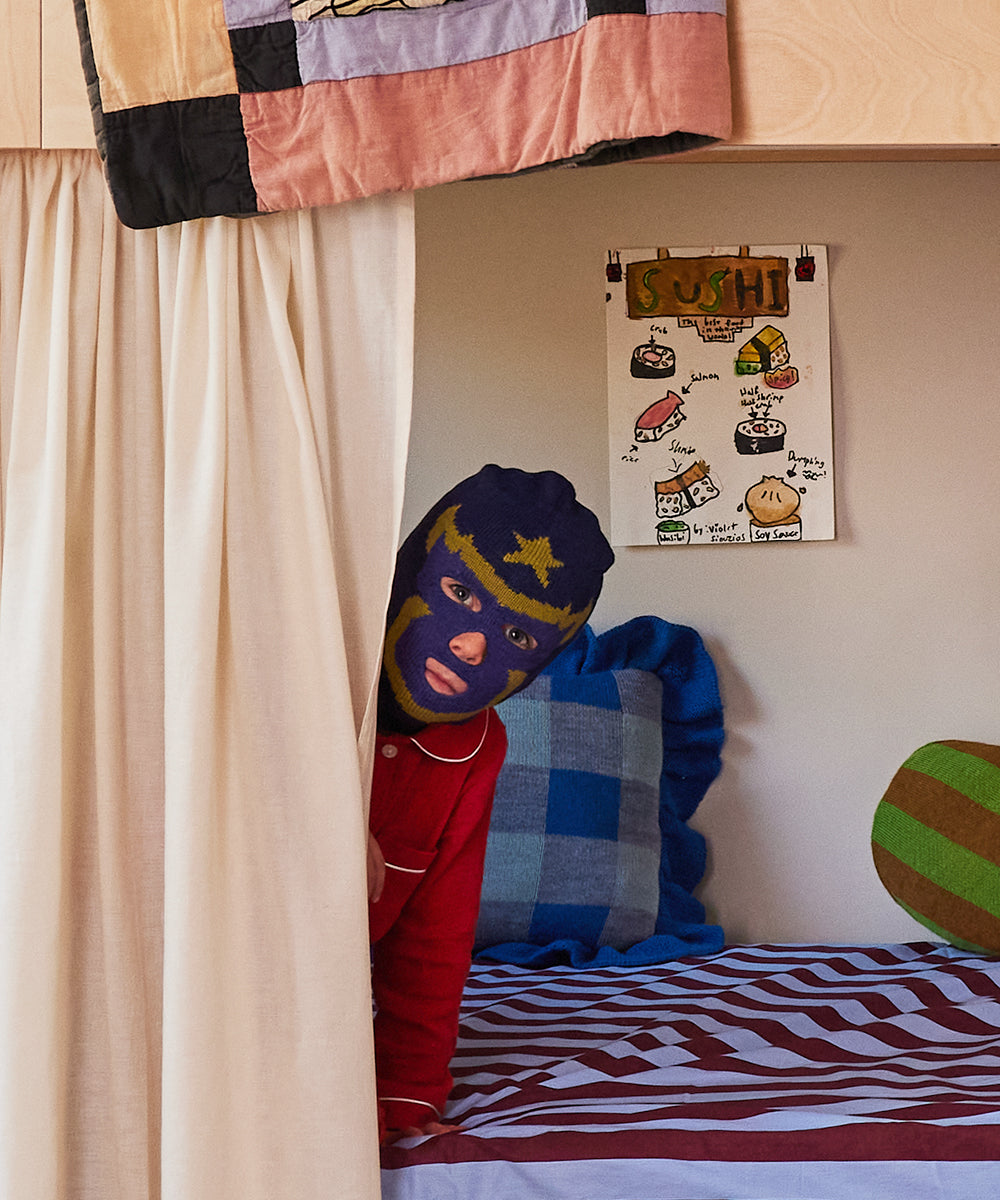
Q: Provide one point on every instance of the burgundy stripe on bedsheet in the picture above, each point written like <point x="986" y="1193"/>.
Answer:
<point x="757" y="1054"/>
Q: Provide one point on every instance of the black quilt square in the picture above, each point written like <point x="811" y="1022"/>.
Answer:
<point x="600" y="8"/>
<point x="179" y="160"/>
<point x="265" y="57"/>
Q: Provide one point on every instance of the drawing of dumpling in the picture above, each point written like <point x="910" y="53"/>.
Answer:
<point x="690" y="489"/>
<point x="773" y="501"/>
<point x="765" y="351"/>
<point x="659" y="418"/>
<point x="652" y="361"/>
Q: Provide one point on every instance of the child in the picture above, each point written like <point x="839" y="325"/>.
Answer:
<point x="495" y="580"/>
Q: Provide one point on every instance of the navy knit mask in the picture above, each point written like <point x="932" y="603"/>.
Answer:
<point x="495" y="580"/>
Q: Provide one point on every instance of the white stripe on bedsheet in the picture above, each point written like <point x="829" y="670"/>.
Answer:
<point x="638" y="1179"/>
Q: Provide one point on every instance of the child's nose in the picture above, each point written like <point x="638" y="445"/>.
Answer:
<point x="469" y="647"/>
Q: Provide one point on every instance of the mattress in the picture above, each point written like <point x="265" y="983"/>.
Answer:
<point x="766" y="1071"/>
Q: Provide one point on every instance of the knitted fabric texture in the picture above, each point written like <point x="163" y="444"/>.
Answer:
<point x="936" y="841"/>
<point x="527" y="558"/>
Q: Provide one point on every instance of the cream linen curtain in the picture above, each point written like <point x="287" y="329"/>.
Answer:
<point x="202" y="443"/>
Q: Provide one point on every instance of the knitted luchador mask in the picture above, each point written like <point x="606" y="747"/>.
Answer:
<point x="495" y="580"/>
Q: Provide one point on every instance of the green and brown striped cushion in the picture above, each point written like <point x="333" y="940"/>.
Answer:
<point x="936" y="841"/>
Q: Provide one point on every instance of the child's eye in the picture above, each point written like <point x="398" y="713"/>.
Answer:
<point x="518" y="636"/>
<point x="456" y="590"/>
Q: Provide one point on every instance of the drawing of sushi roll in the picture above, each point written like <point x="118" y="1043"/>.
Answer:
<point x="759" y="436"/>
<point x="659" y="418"/>
<point x="652" y="361"/>
<point x="765" y="351"/>
<point x="690" y="489"/>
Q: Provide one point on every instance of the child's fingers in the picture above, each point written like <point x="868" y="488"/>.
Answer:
<point x="376" y="870"/>
<point x="434" y="1128"/>
<point x="428" y="1129"/>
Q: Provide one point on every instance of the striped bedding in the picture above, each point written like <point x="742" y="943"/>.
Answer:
<point x="761" y="1072"/>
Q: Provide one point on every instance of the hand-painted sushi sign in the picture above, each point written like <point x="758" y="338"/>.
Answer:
<point x="718" y="393"/>
<point x="707" y="285"/>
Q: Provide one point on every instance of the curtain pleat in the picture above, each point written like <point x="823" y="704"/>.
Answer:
<point x="202" y="442"/>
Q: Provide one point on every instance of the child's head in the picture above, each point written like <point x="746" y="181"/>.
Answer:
<point x="495" y="580"/>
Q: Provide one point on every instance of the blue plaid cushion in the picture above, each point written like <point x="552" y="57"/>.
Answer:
<point x="590" y="859"/>
<point x="574" y="845"/>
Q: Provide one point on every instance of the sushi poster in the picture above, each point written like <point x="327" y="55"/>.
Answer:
<point x="719" y="404"/>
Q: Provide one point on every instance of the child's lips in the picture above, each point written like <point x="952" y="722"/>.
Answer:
<point x="442" y="679"/>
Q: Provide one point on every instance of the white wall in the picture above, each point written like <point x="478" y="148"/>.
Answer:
<point x="837" y="659"/>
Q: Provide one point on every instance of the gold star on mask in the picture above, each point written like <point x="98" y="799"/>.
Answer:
<point x="537" y="554"/>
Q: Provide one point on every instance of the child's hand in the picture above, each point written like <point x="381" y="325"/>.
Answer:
<point x="428" y="1129"/>
<point x="376" y="870"/>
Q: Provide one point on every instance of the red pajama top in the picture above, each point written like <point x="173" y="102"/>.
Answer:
<point x="430" y="812"/>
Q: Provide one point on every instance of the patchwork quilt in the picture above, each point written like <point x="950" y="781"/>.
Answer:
<point x="209" y="107"/>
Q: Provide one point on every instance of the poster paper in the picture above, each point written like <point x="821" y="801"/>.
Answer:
<point x="719" y="399"/>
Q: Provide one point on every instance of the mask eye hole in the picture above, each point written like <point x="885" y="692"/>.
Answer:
<point x="457" y="591"/>
<point x="519" y="638"/>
